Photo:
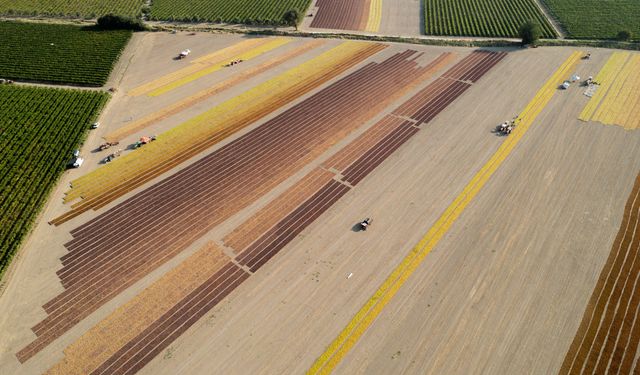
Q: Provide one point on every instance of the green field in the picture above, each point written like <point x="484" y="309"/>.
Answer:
<point x="597" y="19"/>
<point x="487" y="18"/>
<point x="71" y="8"/>
<point x="58" y="53"/>
<point x="39" y="129"/>
<point x="228" y="11"/>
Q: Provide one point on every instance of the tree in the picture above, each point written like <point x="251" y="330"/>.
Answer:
<point x="529" y="32"/>
<point x="115" y="22"/>
<point x="291" y="18"/>
<point x="624" y="36"/>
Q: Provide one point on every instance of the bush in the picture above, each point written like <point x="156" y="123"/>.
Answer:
<point x="624" y="36"/>
<point x="115" y="22"/>
<point x="291" y="18"/>
<point x="529" y="32"/>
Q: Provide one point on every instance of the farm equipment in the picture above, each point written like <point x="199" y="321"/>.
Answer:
<point x="143" y="141"/>
<point x="184" y="54"/>
<point x="95" y="125"/>
<point x="506" y="127"/>
<point x="586" y="57"/>
<point x="77" y="162"/>
<point x="364" y="224"/>
<point x="107" y="145"/>
<point x="111" y="156"/>
<point x="5" y="81"/>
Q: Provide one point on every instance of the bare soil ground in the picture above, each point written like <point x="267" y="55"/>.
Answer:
<point x="503" y="292"/>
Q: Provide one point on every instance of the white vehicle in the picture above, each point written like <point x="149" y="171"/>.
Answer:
<point x="184" y="54"/>
<point x="76" y="153"/>
<point x="565" y="85"/>
<point x="95" y="125"/>
<point x="77" y="162"/>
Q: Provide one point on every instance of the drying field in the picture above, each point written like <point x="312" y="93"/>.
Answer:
<point x="262" y="12"/>
<point x="232" y="239"/>
<point x="73" y="8"/>
<point x="487" y="18"/>
<point x="59" y="53"/>
<point x="39" y="128"/>
<point x="362" y="15"/>
<point x="593" y="19"/>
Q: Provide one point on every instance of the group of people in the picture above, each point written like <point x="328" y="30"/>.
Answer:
<point x="234" y="62"/>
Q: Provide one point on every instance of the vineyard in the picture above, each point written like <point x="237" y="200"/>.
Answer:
<point x="59" y="53"/>
<point x="74" y="8"/>
<point x="487" y="18"/>
<point x="597" y="19"/>
<point x="39" y="128"/>
<point x="236" y="11"/>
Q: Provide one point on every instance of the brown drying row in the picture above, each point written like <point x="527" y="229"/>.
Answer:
<point x="341" y="15"/>
<point x="608" y="337"/>
<point x="132" y="239"/>
<point x="360" y="157"/>
<point x="135" y="354"/>
<point x="277" y="209"/>
<point x="256" y="255"/>
<point x="241" y="122"/>
<point x="160" y="334"/>
<point x="103" y="340"/>
<point x="430" y="101"/>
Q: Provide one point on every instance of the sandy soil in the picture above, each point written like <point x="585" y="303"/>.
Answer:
<point x="503" y="292"/>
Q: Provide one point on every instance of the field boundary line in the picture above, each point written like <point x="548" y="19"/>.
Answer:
<point x="365" y="317"/>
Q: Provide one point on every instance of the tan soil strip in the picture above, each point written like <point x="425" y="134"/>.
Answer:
<point x="199" y="64"/>
<point x="103" y="340"/>
<point x="210" y="92"/>
<point x="277" y="209"/>
<point x="604" y="300"/>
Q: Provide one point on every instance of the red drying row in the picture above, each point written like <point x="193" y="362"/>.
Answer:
<point x="609" y="335"/>
<point x="341" y="14"/>
<point x="121" y="246"/>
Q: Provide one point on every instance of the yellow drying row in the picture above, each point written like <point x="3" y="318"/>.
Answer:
<point x="621" y="104"/>
<point x="375" y="16"/>
<point x="103" y="340"/>
<point x="198" y="97"/>
<point x="208" y="64"/>
<point x="374" y="306"/>
<point x="231" y="114"/>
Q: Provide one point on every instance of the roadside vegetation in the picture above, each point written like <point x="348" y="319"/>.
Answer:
<point x="262" y="12"/>
<point x="39" y="129"/>
<point x="486" y="18"/>
<point x="59" y="53"/>
<point x="597" y="19"/>
<point x="70" y="8"/>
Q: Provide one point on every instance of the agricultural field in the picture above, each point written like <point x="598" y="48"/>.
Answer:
<point x="487" y="18"/>
<point x="72" y="9"/>
<point x="238" y="11"/>
<point x="39" y="128"/>
<point x="59" y="53"/>
<point x="595" y="19"/>
<point x="234" y="243"/>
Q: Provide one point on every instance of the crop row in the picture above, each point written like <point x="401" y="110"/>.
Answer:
<point x="59" y="53"/>
<point x="487" y="18"/>
<point x="597" y="19"/>
<point x="39" y="127"/>
<point x="238" y="11"/>
<point x="70" y="8"/>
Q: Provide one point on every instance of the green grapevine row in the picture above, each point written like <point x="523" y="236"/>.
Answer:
<point x="228" y="11"/>
<point x="39" y="128"/>
<point x="58" y="53"/>
<point x="597" y="19"/>
<point x="70" y="8"/>
<point x="487" y="18"/>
